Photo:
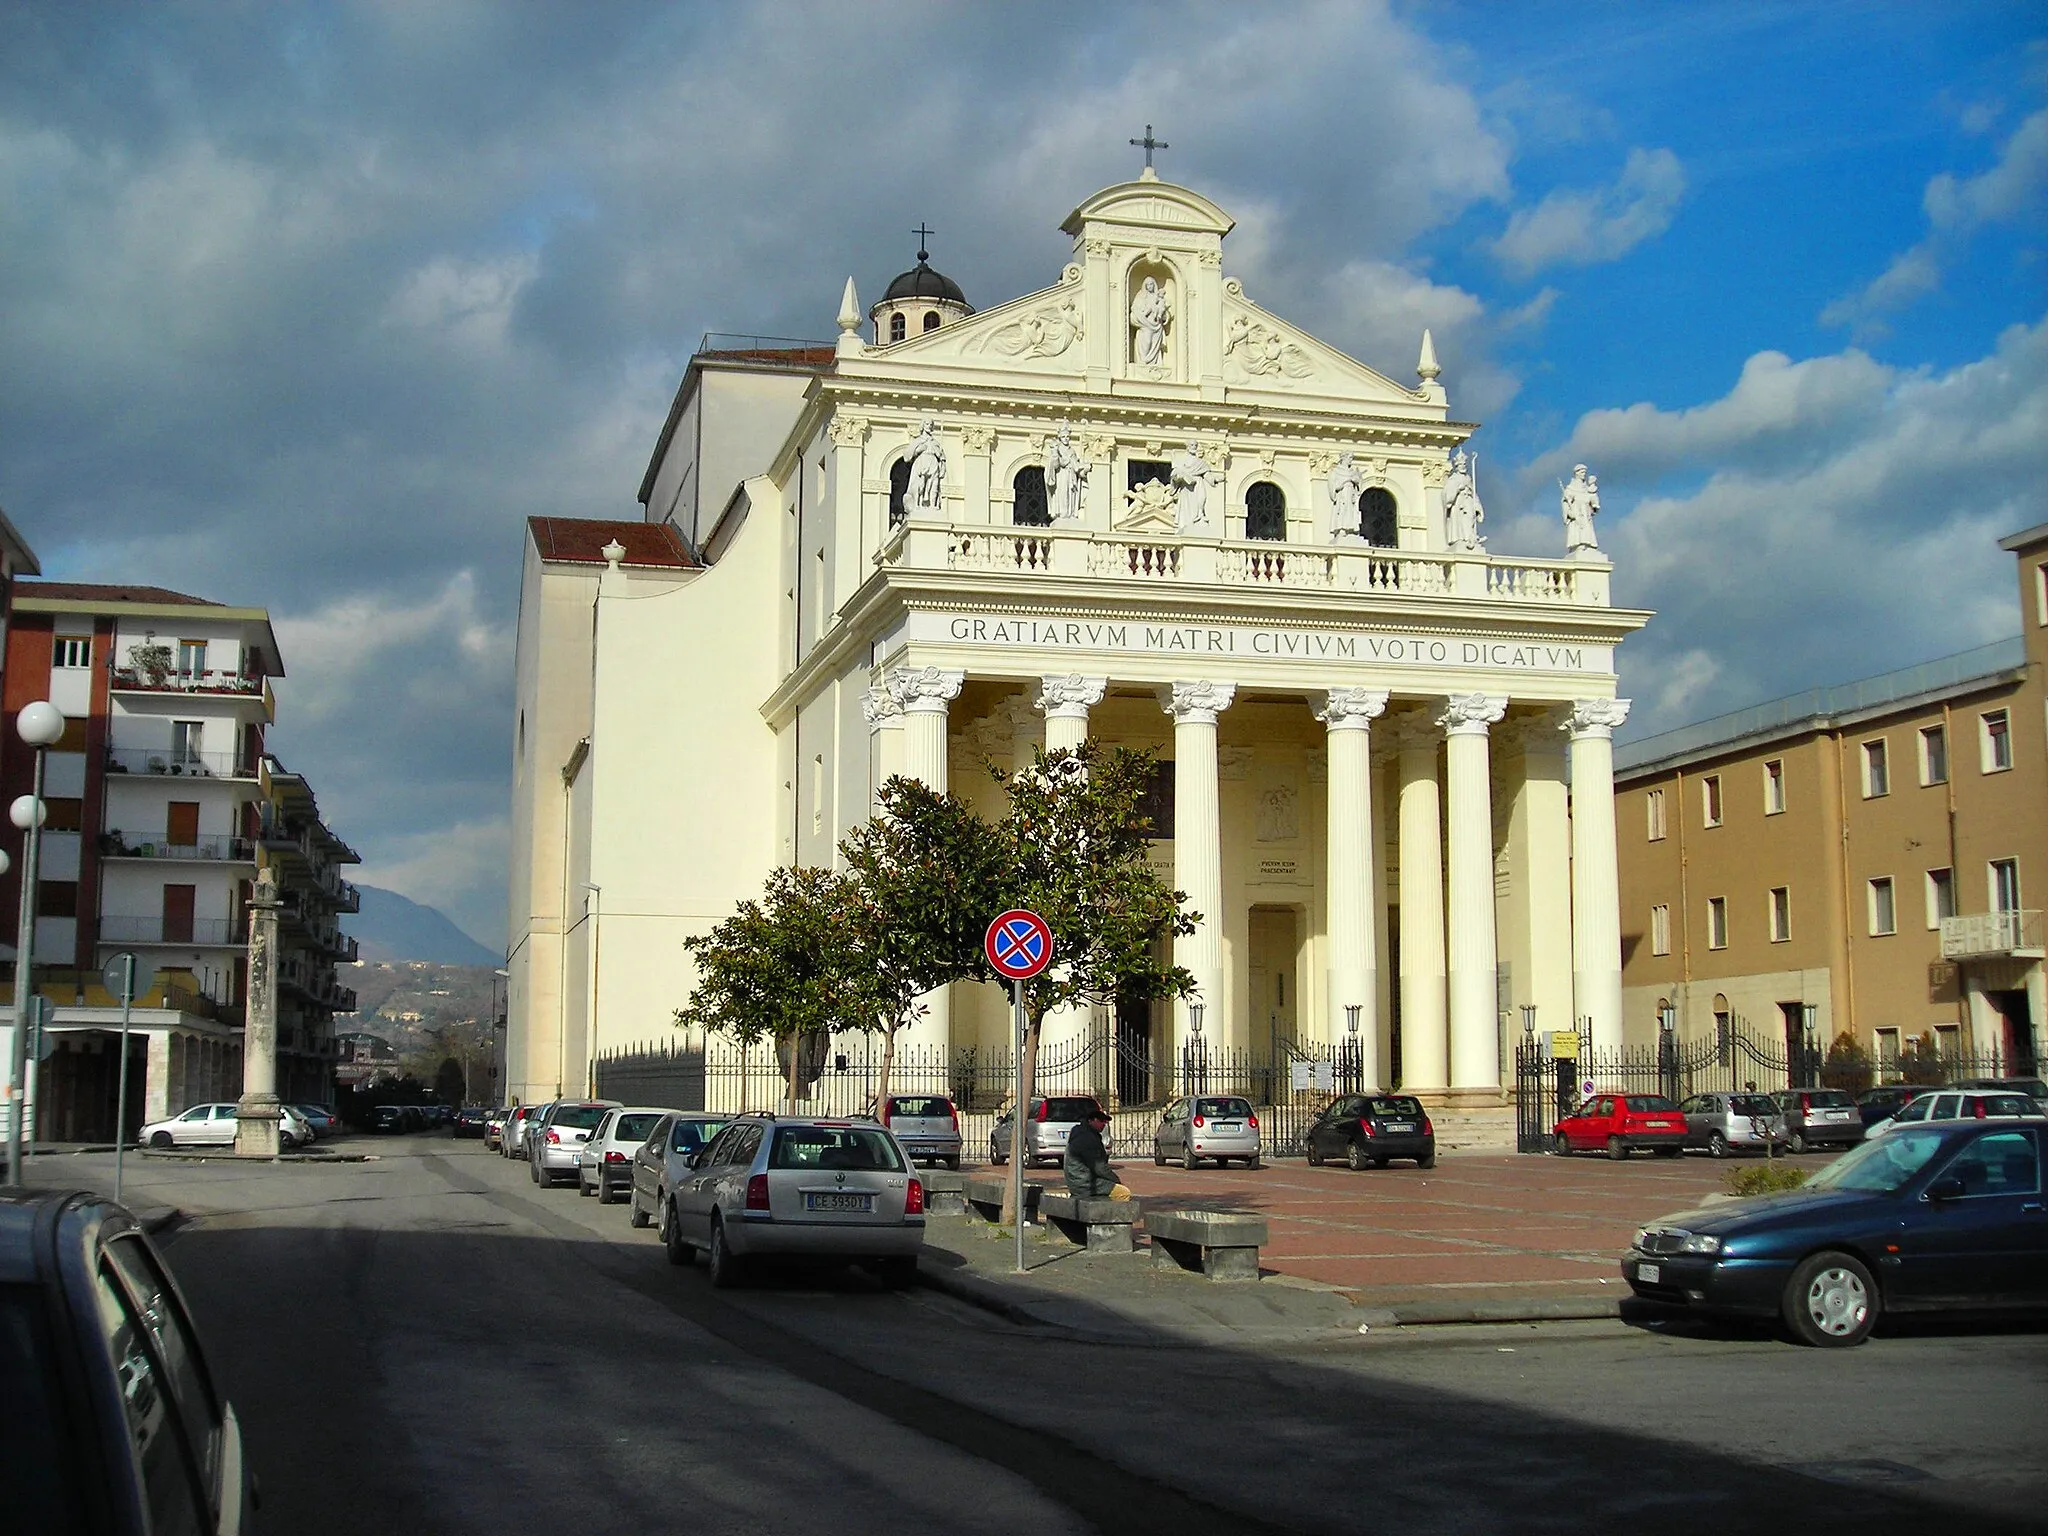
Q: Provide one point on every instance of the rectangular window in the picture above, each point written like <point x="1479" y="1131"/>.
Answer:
<point x="63" y="813"/>
<point x="1877" y="773"/>
<point x="1717" y="922"/>
<point x="2005" y="885"/>
<point x="1710" y="799"/>
<point x="1653" y="806"/>
<point x="1948" y="1041"/>
<point x="2041" y="594"/>
<point x="186" y="735"/>
<point x="1774" y="787"/>
<point x="1884" y="917"/>
<point x="191" y="657"/>
<point x="1888" y="1049"/>
<point x="72" y="652"/>
<point x="1781" y="913"/>
<point x="1996" y="745"/>
<point x="56" y="898"/>
<point x="1660" y="930"/>
<point x="1941" y="896"/>
<point x="1934" y="755"/>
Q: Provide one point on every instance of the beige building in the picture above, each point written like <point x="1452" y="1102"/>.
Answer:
<point x="1871" y="852"/>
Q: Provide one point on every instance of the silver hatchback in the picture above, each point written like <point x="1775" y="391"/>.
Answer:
<point x="1218" y="1127"/>
<point x="1724" y="1123"/>
<point x="1046" y="1129"/>
<point x="926" y="1124"/>
<point x="604" y="1163"/>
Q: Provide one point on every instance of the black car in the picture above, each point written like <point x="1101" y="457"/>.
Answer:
<point x="112" y="1422"/>
<point x="391" y="1117"/>
<point x="1367" y="1129"/>
<point x="1877" y="1104"/>
<point x="469" y="1120"/>
<point x="1936" y="1217"/>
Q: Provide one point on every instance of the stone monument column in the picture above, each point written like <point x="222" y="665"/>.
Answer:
<point x="1198" y="846"/>
<point x="923" y="694"/>
<point x="1474" y="961"/>
<point x="1425" y="1041"/>
<point x="1066" y="702"/>
<point x="1347" y="714"/>
<point x="256" y="1114"/>
<point x="1596" y="895"/>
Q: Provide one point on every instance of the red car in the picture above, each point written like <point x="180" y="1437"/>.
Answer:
<point x="1621" y="1122"/>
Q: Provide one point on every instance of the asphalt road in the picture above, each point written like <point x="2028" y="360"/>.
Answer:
<point x="427" y="1343"/>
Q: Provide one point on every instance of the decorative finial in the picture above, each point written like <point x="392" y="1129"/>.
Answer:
<point x="613" y="553"/>
<point x="924" y="237"/>
<point x="849" y="308"/>
<point x="1425" y="367"/>
<point x="1148" y="144"/>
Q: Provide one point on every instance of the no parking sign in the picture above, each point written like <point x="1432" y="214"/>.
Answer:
<point x="1019" y="945"/>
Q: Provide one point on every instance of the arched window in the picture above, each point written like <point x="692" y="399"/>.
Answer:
<point x="899" y="484"/>
<point x="1030" y="510"/>
<point x="931" y="319"/>
<point x="1265" y="511"/>
<point x="1376" y="522"/>
<point x="896" y="326"/>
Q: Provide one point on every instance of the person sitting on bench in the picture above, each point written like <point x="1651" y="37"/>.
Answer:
<point x="1086" y="1163"/>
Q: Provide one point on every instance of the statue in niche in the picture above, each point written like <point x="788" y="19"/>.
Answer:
<point x="1462" y="511"/>
<point x="927" y="488"/>
<point x="1581" y="505"/>
<point x="1191" y="478"/>
<point x="1066" y="473"/>
<point x="1150" y="314"/>
<point x="1279" y="818"/>
<point x="1346" y="486"/>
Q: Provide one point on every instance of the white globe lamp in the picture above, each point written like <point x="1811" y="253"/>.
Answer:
<point x="27" y="811"/>
<point x="40" y="724"/>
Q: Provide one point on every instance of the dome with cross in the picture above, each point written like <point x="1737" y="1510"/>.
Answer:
<point x="920" y="300"/>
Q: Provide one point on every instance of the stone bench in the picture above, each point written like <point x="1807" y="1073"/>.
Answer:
<point x="985" y="1195"/>
<point x="1223" y="1245"/>
<point x="945" y="1194"/>
<point x="1100" y="1226"/>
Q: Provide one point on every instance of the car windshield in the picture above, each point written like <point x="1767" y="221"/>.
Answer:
<point x="847" y="1148"/>
<point x="634" y="1127"/>
<point x="1069" y="1109"/>
<point x="921" y="1109"/>
<point x="1880" y="1167"/>
<point x="1752" y="1104"/>
<point x="693" y="1135"/>
<point x="1222" y="1107"/>
<point x="1650" y="1103"/>
<point x="1393" y="1106"/>
<point x="579" y="1117"/>
<point x="2006" y="1104"/>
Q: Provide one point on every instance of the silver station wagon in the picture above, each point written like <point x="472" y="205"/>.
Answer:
<point x="1726" y="1123"/>
<point x="1218" y="1127"/>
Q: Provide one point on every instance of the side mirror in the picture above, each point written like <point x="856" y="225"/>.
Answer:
<point x="1950" y="1188"/>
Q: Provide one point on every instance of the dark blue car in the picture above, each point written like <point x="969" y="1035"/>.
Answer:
<point x="1945" y="1217"/>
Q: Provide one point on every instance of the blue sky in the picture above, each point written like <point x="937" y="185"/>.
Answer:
<point x="310" y="305"/>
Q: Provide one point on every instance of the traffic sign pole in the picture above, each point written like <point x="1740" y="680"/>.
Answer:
<point x="121" y="1095"/>
<point x="1017" y="1131"/>
<point x="1019" y="946"/>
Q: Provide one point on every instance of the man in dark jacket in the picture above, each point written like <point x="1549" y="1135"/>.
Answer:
<point x="1086" y="1164"/>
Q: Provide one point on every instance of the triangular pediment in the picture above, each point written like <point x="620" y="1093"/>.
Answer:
<point x="1262" y="351"/>
<point x="1042" y="331"/>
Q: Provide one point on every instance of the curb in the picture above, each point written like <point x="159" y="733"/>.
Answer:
<point x="989" y="1295"/>
<point x="1452" y="1314"/>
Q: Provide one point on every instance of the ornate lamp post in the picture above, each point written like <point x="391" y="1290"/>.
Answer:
<point x="41" y="726"/>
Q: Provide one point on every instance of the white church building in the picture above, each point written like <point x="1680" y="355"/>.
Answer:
<point x="1133" y="506"/>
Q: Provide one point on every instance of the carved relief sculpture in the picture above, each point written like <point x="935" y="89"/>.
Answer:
<point x="1279" y="814"/>
<point x="926" y="492"/>
<point x="1581" y="501"/>
<point x="849" y="431"/>
<point x="1253" y="349"/>
<point x="1192" y="474"/>
<point x="1044" y="332"/>
<point x="1462" y="511"/>
<point x="1150" y="315"/>
<point x="1148" y="508"/>
<point x="1233" y="762"/>
<point x="1066" y="474"/>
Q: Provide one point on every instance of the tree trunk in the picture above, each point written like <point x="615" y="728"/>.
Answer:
<point x="795" y="1065"/>
<point x="888" y="1061"/>
<point x="1034" y="1018"/>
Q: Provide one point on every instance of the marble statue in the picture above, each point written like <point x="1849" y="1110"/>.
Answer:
<point x="1346" y="486"/>
<point x="1149" y="316"/>
<point x="1581" y="505"/>
<point x="926" y="492"/>
<point x="1066" y="474"/>
<point x="1462" y="511"/>
<point x="1191" y="477"/>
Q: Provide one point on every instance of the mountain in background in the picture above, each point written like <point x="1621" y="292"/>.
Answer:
<point x="393" y="927"/>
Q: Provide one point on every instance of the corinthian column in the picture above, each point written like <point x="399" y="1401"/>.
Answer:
<point x="923" y="693"/>
<point x="1066" y="702"/>
<point x="1425" y="1040"/>
<point x="1347" y="714"/>
<point x="1198" y="843"/>
<point x="885" y="732"/>
<point x="1475" y="1025"/>
<point x="1596" y="897"/>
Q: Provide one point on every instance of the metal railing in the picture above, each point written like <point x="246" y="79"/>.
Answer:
<point x="164" y="760"/>
<point x="129" y="679"/>
<point x="1985" y="934"/>
<point x="218" y="850"/>
<point x="155" y="930"/>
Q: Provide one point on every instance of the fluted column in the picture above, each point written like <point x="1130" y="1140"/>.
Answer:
<point x="1596" y="895"/>
<point x="1425" y="1038"/>
<point x="1347" y="714"/>
<point x="923" y="694"/>
<point x="1066" y="702"/>
<point x="1197" y="844"/>
<point x="1474" y="962"/>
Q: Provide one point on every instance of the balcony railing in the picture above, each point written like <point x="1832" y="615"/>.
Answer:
<point x="1988" y="935"/>
<point x="1175" y="560"/>
<point x="214" y="850"/>
<point x="130" y="680"/>
<point x="193" y="765"/>
<point x="155" y="930"/>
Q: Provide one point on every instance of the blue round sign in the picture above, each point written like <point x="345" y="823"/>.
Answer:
<point x="1019" y="945"/>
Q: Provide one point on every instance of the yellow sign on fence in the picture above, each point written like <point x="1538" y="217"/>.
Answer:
<point x="1564" y="1045"/>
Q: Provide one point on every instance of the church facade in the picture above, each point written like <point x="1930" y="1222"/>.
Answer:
<point x="1133" y="506"/>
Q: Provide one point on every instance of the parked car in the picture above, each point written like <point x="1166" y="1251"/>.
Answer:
<point x="1723" y="1123"/>
<point x="554" y="1140"/>
<point x="512" y="1142"/>
<point x="1937" y="1216"/>
<point x="320" y="1118"/>
<point x="665" y="1157"/>
<point x="799" y="1188"/>
<point x="1368" y="1129"/>
<point x="1876" y="1104"/>
<point x="1621" y="1123"/>
<point x="604" y="1162"/>
<point x="117" y="1425"/>
<point x="294" y="1129"/>
<point x="494" y="1129"/>
<point x="469" y="1121"/>
<point x="1214" y="1126"/>
<point x="927" y="1125"/>
<point x="1820" y="1117"/>
<point x="1943" y="1104"/>
<point x="1047" y="1126"/>
<point x="213" y="1125"/>
<point x="2033" y="1087"/>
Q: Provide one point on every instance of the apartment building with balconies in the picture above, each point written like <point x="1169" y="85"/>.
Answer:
<point x="1863" y="858"/>
<point x="163" y="805"/>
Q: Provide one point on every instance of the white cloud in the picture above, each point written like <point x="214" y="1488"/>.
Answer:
<point x="1585" y="227"/>
<point x="469" y="302"/>
<point x="459" y="869"/>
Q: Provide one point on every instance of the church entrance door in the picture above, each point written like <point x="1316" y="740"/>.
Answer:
<point x="1275" y="944"/>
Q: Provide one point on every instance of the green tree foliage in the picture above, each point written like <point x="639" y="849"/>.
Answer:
<point x="1846" y="1065"/>
<point x="1920" y="1061"/>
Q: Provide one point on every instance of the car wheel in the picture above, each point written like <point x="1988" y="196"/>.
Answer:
<point x="1355" y="1158"/>
<point x="1427" y="1160"/>
<point x="953" y="1164"/>
<point x="1617" y="1149"/>
<point x="1831" y="1302"/>
<point x="898" y="1274"/>
<point x="1158" y="1155"/>
<point x="724" y="1264"/>
<point x="680" y="1253"/>
<point x="1717" y="1145"/>
<point x="1253" y="1164"/>
<point x="995" y="1157"/>
<point x="636" y="1216"/>
<point x="582" y="1189"/>
<point x="1799" y="1142"/>
<point x="1561" y="1145"/>
<point x="160" y="1139"/>
<point x="533" y="1170"/>
<point x="1315" y="1158"/>
<point x="1187" y="1156"/>
<point x="606" y="1195"/>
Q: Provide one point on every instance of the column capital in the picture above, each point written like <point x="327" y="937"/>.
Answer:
<point x="1352" y="709"/>
<point x="924" y="690"/>
<point x="1196" y="703"/>
<point x="880" y="708"/>
<point x="1469" y="714"/>
<point x="1413" y="730"/>
<point x="1595" y="717"/>
<point x="1070" y="697"/>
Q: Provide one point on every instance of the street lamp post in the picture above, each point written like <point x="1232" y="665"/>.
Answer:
<point x="40" y="725"/>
